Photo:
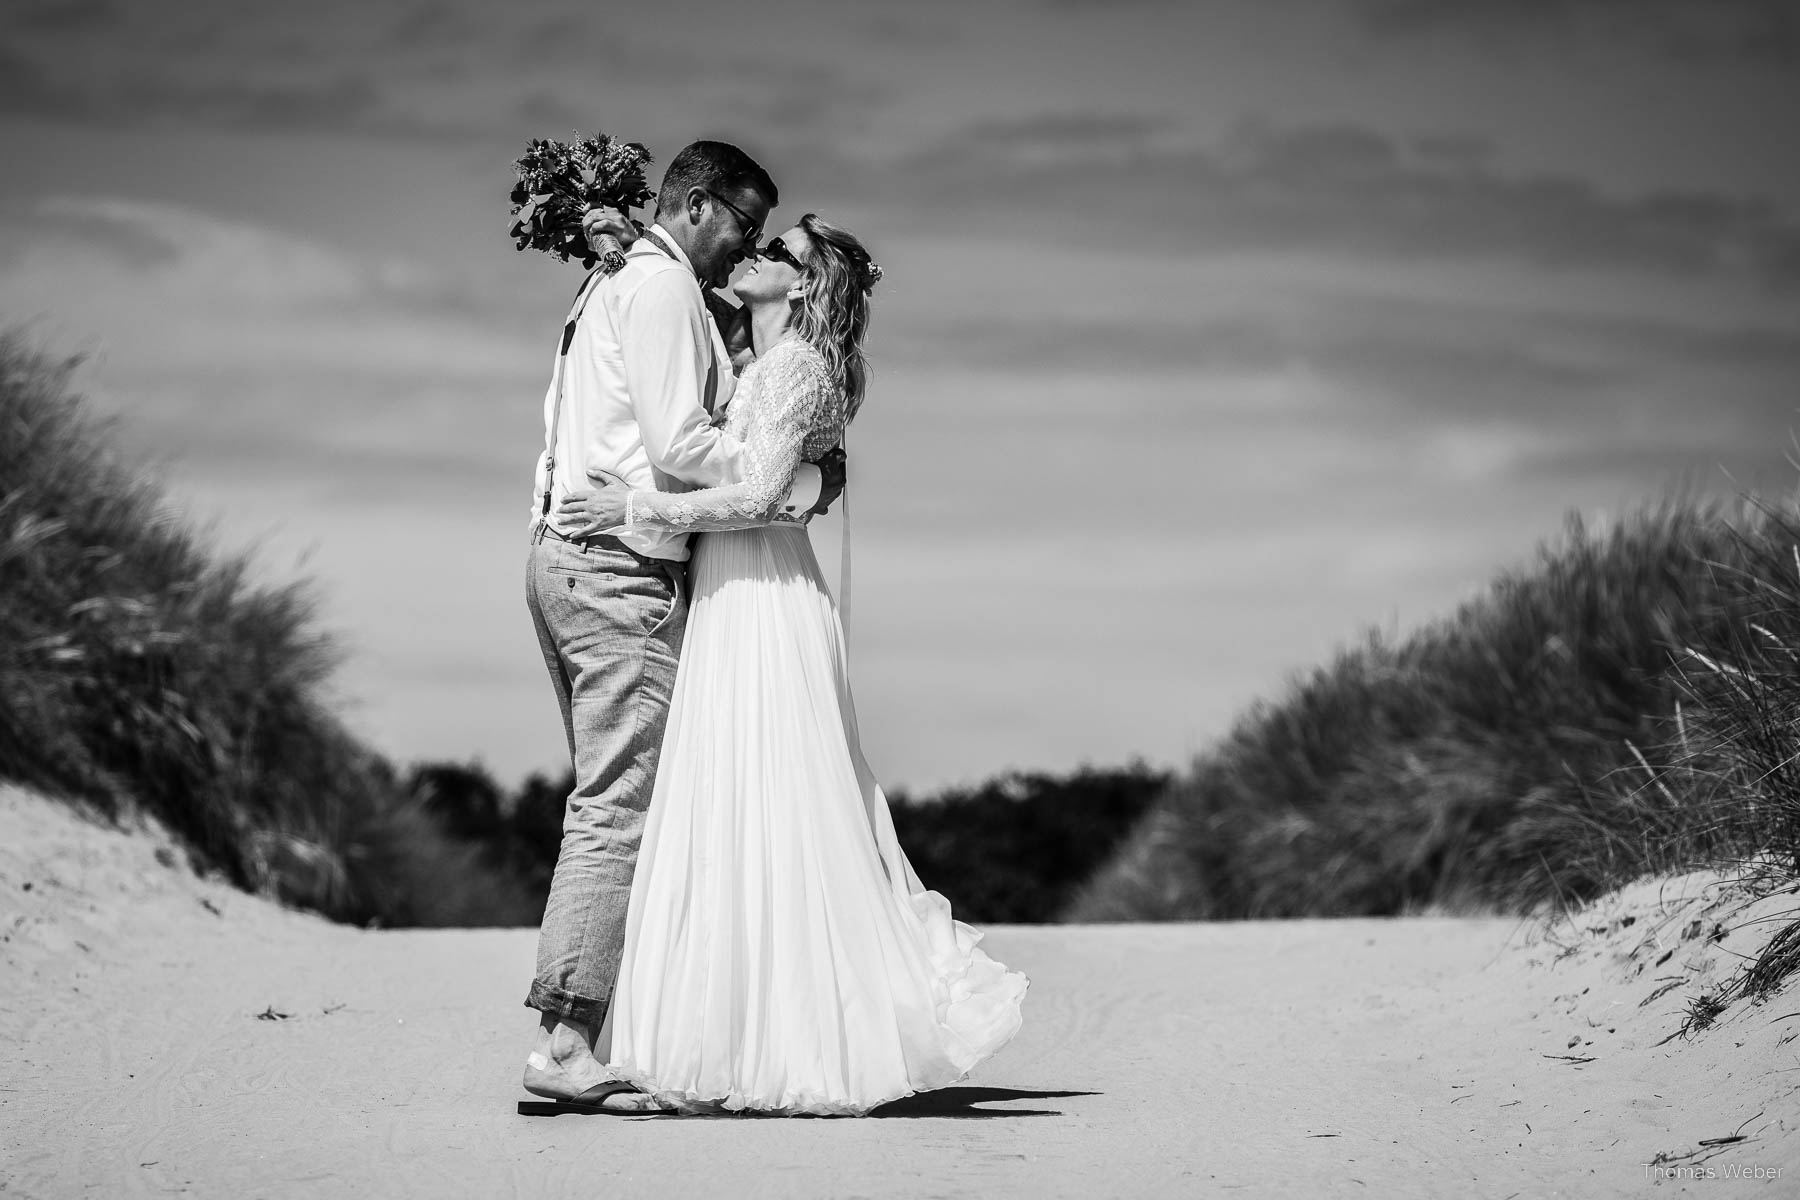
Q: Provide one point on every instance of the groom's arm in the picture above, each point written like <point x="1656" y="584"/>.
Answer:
<point x="668" y="351"/>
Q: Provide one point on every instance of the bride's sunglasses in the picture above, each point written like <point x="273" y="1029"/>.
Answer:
<point x="778" y="251"/>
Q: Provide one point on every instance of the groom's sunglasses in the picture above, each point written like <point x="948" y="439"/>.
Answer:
<point x="778" y="251"/>
<point x="748" y="229"/>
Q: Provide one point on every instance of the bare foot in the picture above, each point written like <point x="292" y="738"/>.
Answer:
<point x="562" y="1063"/>
<point x="562" y="1066"/>
<point x="633" y="1102"/>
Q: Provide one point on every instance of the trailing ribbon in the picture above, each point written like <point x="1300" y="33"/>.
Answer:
<point x="844" y="561"/>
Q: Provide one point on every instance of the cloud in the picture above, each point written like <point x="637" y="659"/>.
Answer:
<point x="1335" y="188"/>
<point x="176" y="288"/>
<point x="434" y="24"/>
<point x="139" y="97"/>
<point x="1547" y="366"/>
<point x="201" y="64"/>
<point x="1495" y="369"/>
<point x="1760" y="32"/>
<point x="1477" y="364"/>
<point x="800" y="104"/>
<point x="344" y="102"/>
<point x="292" y="384"/>
<point x="431" y="68"/>
<point x="63" y="16"/>
<point x="27" y="89"/>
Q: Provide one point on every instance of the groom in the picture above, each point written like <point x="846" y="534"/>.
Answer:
<point x="641" y="371"/>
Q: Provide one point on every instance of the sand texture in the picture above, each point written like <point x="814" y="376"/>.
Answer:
<point x="167" y="1035"/>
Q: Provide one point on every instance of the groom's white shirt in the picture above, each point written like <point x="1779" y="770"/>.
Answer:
<point x="633" y="389"/>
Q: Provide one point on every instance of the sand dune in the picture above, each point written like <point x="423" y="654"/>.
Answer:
<point x="166" y="1034"/>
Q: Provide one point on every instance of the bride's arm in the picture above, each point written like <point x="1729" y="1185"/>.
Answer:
<point x="775" y="483"/>
<point x="796" y="387"/>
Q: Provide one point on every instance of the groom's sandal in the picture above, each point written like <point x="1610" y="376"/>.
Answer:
<point x="592" y="1101"/>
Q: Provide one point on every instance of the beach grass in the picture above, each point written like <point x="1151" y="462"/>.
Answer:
<point x="140" y="668"/>
<point x="1626" y="705"/>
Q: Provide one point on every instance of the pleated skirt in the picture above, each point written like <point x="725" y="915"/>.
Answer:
<point x="780" y="954"/>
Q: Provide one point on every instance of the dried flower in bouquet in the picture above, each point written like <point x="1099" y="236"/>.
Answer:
<point x="560" y="181"/>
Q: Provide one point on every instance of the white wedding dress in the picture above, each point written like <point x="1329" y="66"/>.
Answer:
<point x="780" y="954"/>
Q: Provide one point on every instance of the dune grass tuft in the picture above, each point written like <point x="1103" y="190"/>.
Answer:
<point x="138" y="667"/>
<point x="1626" y="706"/>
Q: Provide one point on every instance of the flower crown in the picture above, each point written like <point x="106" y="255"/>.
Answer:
<point x="868" y="271"/>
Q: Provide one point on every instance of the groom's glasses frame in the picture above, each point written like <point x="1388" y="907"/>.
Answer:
<point x="748" y="229"/>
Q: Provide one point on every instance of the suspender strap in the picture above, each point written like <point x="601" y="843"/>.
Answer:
<point x="562" y="355"/>
<point x="661" y="243"/>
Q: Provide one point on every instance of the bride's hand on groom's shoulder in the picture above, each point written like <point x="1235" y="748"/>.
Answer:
<point x="602" y="220"/>
<point x="586" y="513"/>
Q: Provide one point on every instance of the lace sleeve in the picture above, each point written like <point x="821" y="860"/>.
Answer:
<point x="794" y="388"/>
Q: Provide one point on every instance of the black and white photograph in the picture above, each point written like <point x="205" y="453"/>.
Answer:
<point x="824" y="599"/>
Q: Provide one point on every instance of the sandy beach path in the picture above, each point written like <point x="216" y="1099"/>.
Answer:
<point x="169" y="1036"/>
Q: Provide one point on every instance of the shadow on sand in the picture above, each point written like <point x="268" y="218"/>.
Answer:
<point x="962" y="1102"/>
<point x="953" y="1102"/>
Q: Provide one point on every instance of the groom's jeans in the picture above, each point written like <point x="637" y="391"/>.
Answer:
<point x="609" y="622"/>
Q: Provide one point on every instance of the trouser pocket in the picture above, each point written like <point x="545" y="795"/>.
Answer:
<point x="675" y="575"/>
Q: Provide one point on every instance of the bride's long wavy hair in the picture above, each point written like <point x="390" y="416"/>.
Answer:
<point x="833" y="312"/>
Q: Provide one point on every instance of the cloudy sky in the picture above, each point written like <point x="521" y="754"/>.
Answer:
<point x="1213" y="332"/>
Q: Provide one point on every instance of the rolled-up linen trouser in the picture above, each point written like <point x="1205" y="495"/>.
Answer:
<point x="609" y="622"/>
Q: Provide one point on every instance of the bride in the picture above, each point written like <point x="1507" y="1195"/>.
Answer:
<point x="780" y="954"/>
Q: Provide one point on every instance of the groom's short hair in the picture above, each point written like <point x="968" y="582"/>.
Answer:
<point x="717" y="167"/>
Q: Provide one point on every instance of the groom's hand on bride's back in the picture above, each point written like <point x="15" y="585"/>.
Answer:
<point x="832" y="474"/>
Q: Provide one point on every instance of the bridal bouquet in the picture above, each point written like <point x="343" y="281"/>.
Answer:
<point x="559" y="181"/>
